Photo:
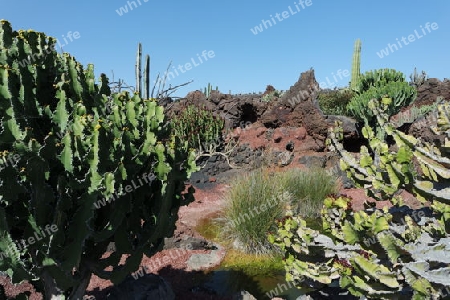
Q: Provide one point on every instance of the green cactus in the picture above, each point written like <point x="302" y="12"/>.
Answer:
<point x="356" y="64"/>
<point x="81" y="168"/>
<point x="200" y="127"/>
<point x="143" y="91"/>
<point x="370" y="253"/>
<point x="378" y="84"/>
<point x="417" y="80"/>
<point x="207" y="90"/>
<point x="378" y="78"/>
<point x="395" y="253"/>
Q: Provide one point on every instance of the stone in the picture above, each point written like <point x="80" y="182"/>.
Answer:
<point x="348" y="125"/>
<point x="304" y="90"/>
<point x="146" y="287"/>
<point x="313" y="161"/>
<point x="421" y="128"/>
<point x="216" y="96"/>
<point x="300" y="133"/>
<point x="309" y="144"/>
<point x="260" y="131"/>
<point x="269" y="89"/>
<point x="188" y="242"/>
<point x="277" y="135"/>
<point x="201" y="261"/>
<point x="430" y="90"/>
<point x="195" y="96"/>
<point x="275" y="117"/>
<point x="284" y="158"/>
<point x="307" y="115"/>
<point x="243" y="295"/>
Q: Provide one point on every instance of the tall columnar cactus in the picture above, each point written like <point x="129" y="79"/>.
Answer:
<point x="356" y="64"/>
<point x="146" y="94"/>
<point x="92" y="174"/>
<point x="138" y="72"/>
<point x="143" y="90"/>
<point x="207" y="90"/>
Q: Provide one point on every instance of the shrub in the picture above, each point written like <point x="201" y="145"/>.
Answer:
<point x="416" y="79"/>
<point x="334" y="102"/>
<point x="200" y="127"/>
<point x="89" y="171"/>
<point x="401" y="93"/>
<point x="377" y="78"/>
<point x="254" y="201"/>
<point x="308" y="189"/>
<point x="272" y="95"/>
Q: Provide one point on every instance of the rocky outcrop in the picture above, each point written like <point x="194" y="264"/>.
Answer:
<point x="430" y="90"/>
<point x="298" y="107"/>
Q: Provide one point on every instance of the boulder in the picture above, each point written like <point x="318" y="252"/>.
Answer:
<point x="304" y="90"/>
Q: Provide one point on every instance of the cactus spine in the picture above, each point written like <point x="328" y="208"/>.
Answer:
<point x="356" y="63"/>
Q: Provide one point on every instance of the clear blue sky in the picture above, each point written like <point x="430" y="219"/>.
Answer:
<point x="320" y="35"/>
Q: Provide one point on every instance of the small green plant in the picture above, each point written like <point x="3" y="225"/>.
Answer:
<point x="417" y="79"/>
<point x="308" y="189"/>
<point x="207" y="90"/>
<point x="378" y="78"/>
<point x="334" y="102"/>
<point x="271" y="96"/>
<point x="200" y="127"/>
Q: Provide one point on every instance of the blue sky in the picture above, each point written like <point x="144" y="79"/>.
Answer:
<point x="315" y="33"/>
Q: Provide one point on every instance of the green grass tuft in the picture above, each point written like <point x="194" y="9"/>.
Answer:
<point x="257" y="199"/>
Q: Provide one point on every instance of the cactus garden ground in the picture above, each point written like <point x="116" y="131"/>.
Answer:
<point x="172" y="265"/>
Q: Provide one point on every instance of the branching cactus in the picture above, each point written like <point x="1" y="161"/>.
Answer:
<point x="374" y="253"/>
<point x="78" y="172"/>
<point x="396" y="253"/>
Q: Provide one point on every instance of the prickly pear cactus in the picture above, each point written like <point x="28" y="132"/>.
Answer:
<point x="81" y="168"/>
